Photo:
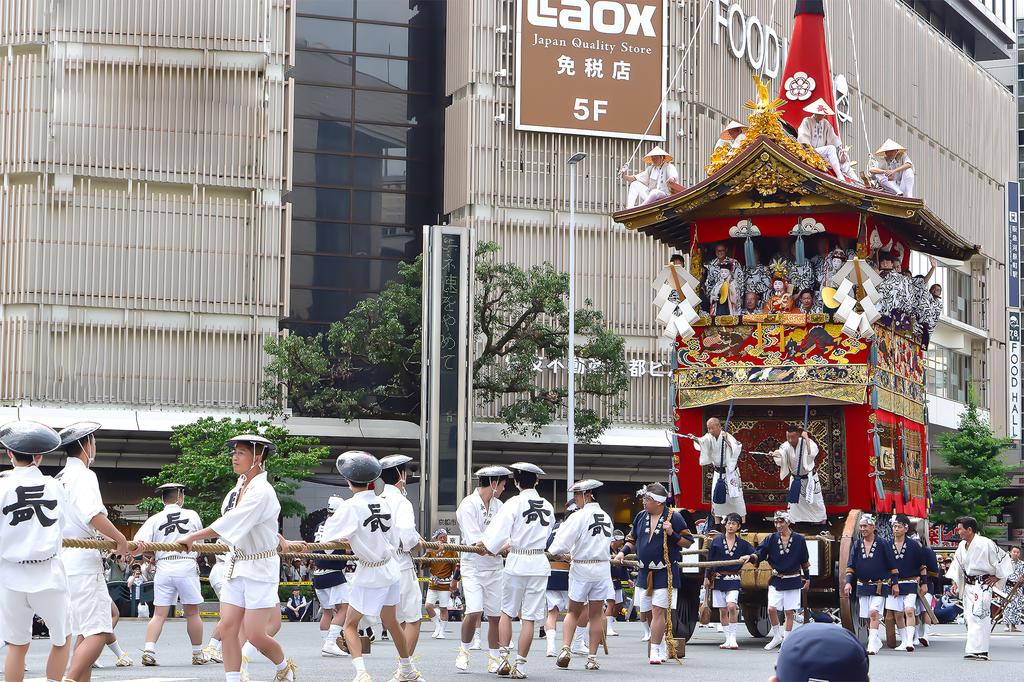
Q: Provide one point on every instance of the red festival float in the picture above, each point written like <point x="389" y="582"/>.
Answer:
<point x="848" y="367"/>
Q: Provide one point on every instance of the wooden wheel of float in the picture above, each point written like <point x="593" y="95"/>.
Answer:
<point x="848" y="613"/>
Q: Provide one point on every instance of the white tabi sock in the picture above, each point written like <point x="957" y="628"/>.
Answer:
<point x="872" y="634"/>
<point x="909" y="637"/>
<point x="405" y="664"/>
<point x="249" y="651"/>
<point x="647" y="627"/>
<point x="521" y="663"/>
<point x="232" y="677"/>
<point x="359" y="665"/>
<point x="150" y="646"/>
<point x="116" y="649"/>
<point x="214" y="643"/>
<point x="197" y="648"/>
<point x="333" y="632"/>
<point x="495" y="652"/>
<point x="611" y="621"/>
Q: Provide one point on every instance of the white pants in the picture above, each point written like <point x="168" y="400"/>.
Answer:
<point x="829" y="153"/>
<point x="871" y="603"/>
<point x="901" y="603"/>
<point x="168" y="589"/>
<point x="331" y="597"/>
<point x="410" y="609"/>
<point x="90" y="605"/>
<point x="721" y="600"/>
<point x="483" y="590"/>
<point x="905" y="188"/>
<point x="370" y="600"/>
<point x="441" y="598"/>
<point x="217" y="577"/>
<point x="523" y="596"/>
<point x="783" y="600"/>
<point x="250" y="594"/>
<point x="639" y="194"/>
<point x="19" y="607"/>
<point x="659" y="598"/>
<point x="581" y="591"/>
<point x="978" y="614"/>
<point x="557" y="599"/>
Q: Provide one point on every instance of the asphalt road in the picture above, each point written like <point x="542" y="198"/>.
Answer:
<point x="704" y="661"/>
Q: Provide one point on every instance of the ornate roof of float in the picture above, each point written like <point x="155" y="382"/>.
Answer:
<point x="770" y="172"/>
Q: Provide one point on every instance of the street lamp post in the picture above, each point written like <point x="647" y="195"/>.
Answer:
<point x="570" y="464"/>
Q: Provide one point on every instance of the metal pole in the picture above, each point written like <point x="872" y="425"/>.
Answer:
<point x="570" y="464"/>
<point x="571" y="454"/>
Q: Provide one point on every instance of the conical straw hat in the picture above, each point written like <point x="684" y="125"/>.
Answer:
<point x="891" y="145"/>
<point x="819" y="106"/>
<point x="733" y="125"/>
<point x="657" y="151"/>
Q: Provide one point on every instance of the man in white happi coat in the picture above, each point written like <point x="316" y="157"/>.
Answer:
<point x="732" y="135"/>
<point x="482" y="575"/>
<point x="720" y="450"/>
<point x="248" y="525"/>
<point x="367" y="523"/>
<point x="32" y="579"/>
<point x="410" y="609"/>
<point x="815" y="130"/>
<point x="796" y="457"/>
<point x="895" y="172"/>
<point x="91" y="606"/>
<point x="522" y="527"/>
<point x="585" y="535"/>
<point x="332" y="589"/>
<point x="177" y="574"/>
<point x="657" y="181"/>
<point x="978" y="567"/>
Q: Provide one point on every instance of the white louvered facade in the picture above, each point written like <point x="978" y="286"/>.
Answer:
<point x="144" y="150"/>
<point x="513" y="187"/>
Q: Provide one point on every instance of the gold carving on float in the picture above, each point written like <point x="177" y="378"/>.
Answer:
<point x="767" y="178"/>
<point x="765" y="120"/>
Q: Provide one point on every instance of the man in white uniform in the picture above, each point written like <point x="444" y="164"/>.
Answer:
<point x="248" y="524"/>
<point x="731" y="135"/>
<point x="895" y="173"/>
<point x="817" y="132"/>
<point x="522" y="527"/>
<point x="332" y="590"/>
<point x="410" y="610"/>
<point x="482" y="575"/>
<point x="91" y="605"/>
<point x="585" y="536"/>
<point x="366" y="522"/>
<point x="658" y="181"/>
<point x="32" y="508"/>
<point x="721" y="451"/>
<point x="796" y="458"/>
<point x="978" y="567"/>
<point x="177" y="574"/>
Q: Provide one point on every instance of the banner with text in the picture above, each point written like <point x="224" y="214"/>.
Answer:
<point x="1013" y="247"/>
<point x="1013" y="379"/>
<point x="593" y="67"/>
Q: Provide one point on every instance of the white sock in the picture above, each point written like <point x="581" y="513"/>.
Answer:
<point x="405" y="664"/>
<point x="282" y="665"/>
<point x="872" y="634"/>
<point x="197" y="649"/>
<point x="249" y="651"/>
<point x="333" y="632"/>
<point x="911" y="629"/>
<point x="521" y="663"/>
<point x="495" y="652"/>
<point x="647" y="627"/>
<point x="581" y="632"/>
<point x="150" y="646"/>
<point x="215" y="643"/>
<point x="358" y="664"/>
<point x="116" y="649"/>
<point x="232" y="677"/>
<point x="611" y="621"/>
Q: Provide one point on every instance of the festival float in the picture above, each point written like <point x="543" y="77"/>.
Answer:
<point x="851" y="374"/>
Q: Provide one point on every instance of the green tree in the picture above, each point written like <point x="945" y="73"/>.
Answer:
<point x="977" y="454"/>
<point x="368" y="365"/>
<point x="204" y="466"/>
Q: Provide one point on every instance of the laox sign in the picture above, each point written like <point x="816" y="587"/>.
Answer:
<point x="749" y="38"/>
<point x="603" y="16"/>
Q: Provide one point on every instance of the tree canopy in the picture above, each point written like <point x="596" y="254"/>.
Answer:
<point x="368" y="365"/>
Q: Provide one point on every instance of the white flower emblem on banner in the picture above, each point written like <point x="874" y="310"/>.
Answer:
<point x="799" y="86"/>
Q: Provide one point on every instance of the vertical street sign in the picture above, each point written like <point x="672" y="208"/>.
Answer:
<point x="1013" y="380"/>
<point x="446" y="400"/>
<point x="1013" y="246"/>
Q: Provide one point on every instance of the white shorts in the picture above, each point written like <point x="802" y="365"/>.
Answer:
<point x="441" y="598"/>
<point x="169" y="588"/>
<point x="618" y="596"/>
<point x="783" y="600"/>
<point x="556" y="599"/>
<point x="410" y="608"/>
<point x="333" y="596"/>
<point x="370" y="600"/>
<point x="904" y="601"/>
<point x="90" y="605"/>
<point x="582" y="592"/>
<point x="721" y="600"/>
<point x="217" y="578"/>
<point x="19" y="607"/>
<point x="871" y="603"/>
<point x="482" y="592"/>
<point x="523" y="596"/>
<point x="250" y="594"/>
<point x="646" y="601"/>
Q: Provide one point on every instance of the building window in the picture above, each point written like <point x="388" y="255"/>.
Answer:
<point x="947" y="373"/>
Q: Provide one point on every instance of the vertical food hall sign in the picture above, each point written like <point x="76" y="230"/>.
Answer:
<point x="592" y="67"/>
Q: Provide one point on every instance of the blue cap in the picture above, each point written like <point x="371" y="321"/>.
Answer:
<point x="817" y="651"/>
